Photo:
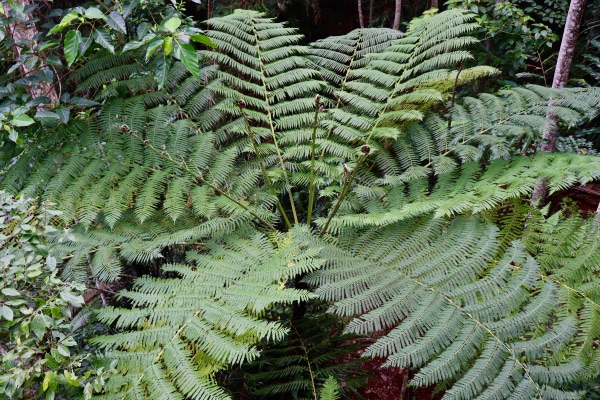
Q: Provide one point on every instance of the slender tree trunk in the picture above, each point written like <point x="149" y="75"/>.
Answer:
<point x="397" y="14"/>
<point x="27" y="33"/>
<point x="371" y="12"/>
<point x="361" y="19"/>
<point x="435" y="4"/>
<point x="561" y="77"/>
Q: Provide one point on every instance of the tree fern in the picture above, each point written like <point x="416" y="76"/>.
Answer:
<point x="213" y="166"/>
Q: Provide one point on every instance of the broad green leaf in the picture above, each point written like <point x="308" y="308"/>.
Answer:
<point x="72" y="40"/>
<point x="64" y="350"/>
<point x="168" y="45"/>
<point x="203" y="39"/>
<point x="116" y="21"/>
<point x="94" y="13"/>
<point x="22" y="120"/>
<point x="46" y="381"/>
<point x="102" y="37"/>
<point x="172" y="24"/>
<point x="152" y="46"/>
<point x="75" y="301"/>
<point x="53" y="60"/>
<point x="129" y="7"/>
<point x="7" y="313"/>
<point x="160" y="72"/>
<point x="46" y="115"/>
<point x="38" y="325"/>
<point x="13" y="135"/>
<point x="11" y="292"/>
<point x="85" y="44"/>
<point x="2" y="34"/>
<point x="51" y="262"/>
<point x="132" y="45"/>
<point x="64" y="22"/>
<point x="189" y="59"/>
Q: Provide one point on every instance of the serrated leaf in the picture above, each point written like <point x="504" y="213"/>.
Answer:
<point x="203" y="39"/>
<point x="172" y="24"/>
<point x="102" y="37"/>
<point x="189" y="59"/>
<point x="72" y="40"/>
<point x="22" y="120"/>
<point x="94" y="13"/>
<point x="152" y="46"/>
<point x="116" y="21"/>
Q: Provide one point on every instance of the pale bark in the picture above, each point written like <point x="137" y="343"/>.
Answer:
<point x="361" y="19"/>
<point x="561" y="77"/>
<point x="27" y="33"/>
<point x="563" y="65"/>
<point x="397" y="14"/>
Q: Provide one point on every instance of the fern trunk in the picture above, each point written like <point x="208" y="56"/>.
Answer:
<point x="397" y="14"/>
<point x="561" y="77"/>
<point x="361" y="19"/>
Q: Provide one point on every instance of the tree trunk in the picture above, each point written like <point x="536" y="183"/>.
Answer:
<point x="371" y="12"/>
<point x="434" y="4"/>
<point x="361" y="19"/>
<point x="561" y="77"/>
<point x="397" y="14"/>
<point x="27" y="32"/>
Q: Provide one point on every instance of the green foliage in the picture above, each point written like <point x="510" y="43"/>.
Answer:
<point x="461" y="308"/>
<point x="314" y="358"/>
<point x="184" y="329"/>
<point x="330" y="390"/>
<point x="39" y="354"/>
<point x="515" y="35"/>
<point x="220" y="168"/>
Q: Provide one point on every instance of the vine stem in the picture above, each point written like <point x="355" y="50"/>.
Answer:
<point x="200" y="178"/>
<point x="241" y="104"/>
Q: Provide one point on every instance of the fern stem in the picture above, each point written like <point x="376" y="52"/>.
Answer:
<point x="310" y="371"/>
<point x="344" y="192"/>
<point x="199" y="177"/>
<point x="262" y="166"/>
<point x="311" y="186"/>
